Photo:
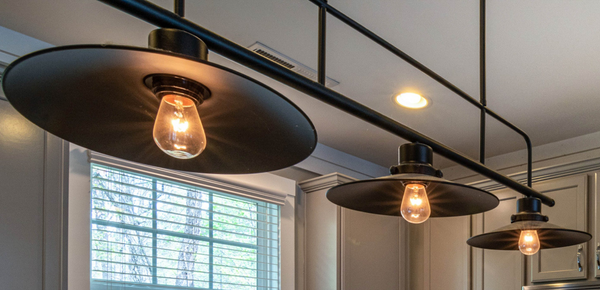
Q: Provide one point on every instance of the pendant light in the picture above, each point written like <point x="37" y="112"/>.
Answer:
<point x="529" y="232"/>
<point x="415" y="191"/>
<point x="165" y="106"/>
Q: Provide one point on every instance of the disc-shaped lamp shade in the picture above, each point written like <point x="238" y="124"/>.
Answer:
<point x="551" y="236"/>
<point x="96" y="96"/>
<point x="384" y="196"/>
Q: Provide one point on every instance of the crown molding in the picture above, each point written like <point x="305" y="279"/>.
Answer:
<point x="324" y="182"/>
<point x="544" y="173"/>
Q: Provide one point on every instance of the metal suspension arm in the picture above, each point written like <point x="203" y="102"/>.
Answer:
<point x="158" y="16"/>
<point x="391" y="48"/>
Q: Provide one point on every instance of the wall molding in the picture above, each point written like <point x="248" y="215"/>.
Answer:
<point x="324" y="182"/>
<point x="56" y="213"/>
<point x="325" y="160"/>
<point x="544" y="173"/>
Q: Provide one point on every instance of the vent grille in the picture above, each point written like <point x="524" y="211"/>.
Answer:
<point x="289" y="63"/>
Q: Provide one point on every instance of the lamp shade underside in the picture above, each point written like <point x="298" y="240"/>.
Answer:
<point x="384" y="196"/>
<point x="550" y="235"/>
<point x="95" y="96"/>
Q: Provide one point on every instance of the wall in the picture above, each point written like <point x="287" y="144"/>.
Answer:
<point x="34" y="188"/>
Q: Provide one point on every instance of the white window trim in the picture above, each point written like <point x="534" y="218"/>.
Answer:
<point x="263" y="186"/>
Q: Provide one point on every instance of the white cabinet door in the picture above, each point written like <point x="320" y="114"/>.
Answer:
<point x="495" y="269"/>
<point x="596" y="216"/>
<point x="370" y="248"/>
<point x="570" y="211"/>
<point x="447" y="256"/>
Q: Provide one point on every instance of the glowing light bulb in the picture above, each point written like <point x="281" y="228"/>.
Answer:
<point x="529" y="243"/>
<point x="178" y="130"/>
<point x="415" y="204"/>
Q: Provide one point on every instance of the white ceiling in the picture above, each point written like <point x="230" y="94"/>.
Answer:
<point x="543" y="61"/>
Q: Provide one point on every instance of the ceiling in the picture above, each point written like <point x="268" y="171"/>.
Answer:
<point x="543" y="61"/>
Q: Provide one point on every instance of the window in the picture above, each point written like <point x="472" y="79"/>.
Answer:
<point x="150" y="233"/>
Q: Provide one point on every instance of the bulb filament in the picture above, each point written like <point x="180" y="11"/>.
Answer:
<point x="415" y="206"/>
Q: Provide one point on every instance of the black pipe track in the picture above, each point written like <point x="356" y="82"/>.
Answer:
<point x="158" y="16"/>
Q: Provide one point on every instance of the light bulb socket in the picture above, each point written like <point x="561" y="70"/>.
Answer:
<point x="416" y="153"/>
<point x="416" y="158"/>
<point x="162" y="85"/>
<point x="178" y="41"/>
<point x="529" y="209"/>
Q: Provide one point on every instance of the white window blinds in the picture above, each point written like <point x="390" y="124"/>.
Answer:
<point x="150" y="233"/>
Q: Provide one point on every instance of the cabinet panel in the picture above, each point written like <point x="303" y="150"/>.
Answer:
<point x="447" y="254"/>
<point x="595" y="249"/>
<point x="570" y="212"/>
<point x="494" y="269"/>
<point x="370" y="247"/>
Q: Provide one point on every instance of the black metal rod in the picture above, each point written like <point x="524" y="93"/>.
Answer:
<point x="482" y="80"/>
<point x="383" y="43"/>
<point x="321" y="75"/>
<point x="179" y="7"/>
<point x="158" y="16"/>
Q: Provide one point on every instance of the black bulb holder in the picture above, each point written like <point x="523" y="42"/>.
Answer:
<point x="528" y="209"/>
<point x="177" y="41"/>
<point x="415" y="158"/>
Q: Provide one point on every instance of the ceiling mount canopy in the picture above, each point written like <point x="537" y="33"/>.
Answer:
<point x="414" y="183"/>
<point x="529" y="232"/>
<point x="140" y="103"/>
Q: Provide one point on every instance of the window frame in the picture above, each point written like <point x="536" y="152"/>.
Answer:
<point x="157" y="185"/>
<point x="264" y="186"/>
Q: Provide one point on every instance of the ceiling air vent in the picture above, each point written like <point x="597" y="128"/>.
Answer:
<point x="289" y="63"/>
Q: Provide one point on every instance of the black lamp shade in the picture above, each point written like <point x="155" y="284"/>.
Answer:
<point x="95" y="96"/>
<point x="384" y="196"/>
<point x="507" y="238"/>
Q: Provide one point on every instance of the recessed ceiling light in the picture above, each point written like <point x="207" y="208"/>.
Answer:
<point x="411" y="100"/>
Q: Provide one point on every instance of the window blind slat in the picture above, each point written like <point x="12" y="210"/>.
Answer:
<point x="165" y="202"/>
<point x="151" y="232"/>
<point x="171" y="250"/>
<point x="174" y="223"/>
<point x="114" y="182"/>
<point x="183" y="215"/>
<point x="166" y="268"/>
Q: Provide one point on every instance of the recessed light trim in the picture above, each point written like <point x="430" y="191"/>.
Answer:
<point x="411" y="100"/>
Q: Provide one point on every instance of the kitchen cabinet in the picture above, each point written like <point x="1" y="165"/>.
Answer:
<point x="570" y="211"/>
<point x="345" y="249"/>
<point x="439" y="250"/>
<point x="594" y="250"/>
<point x="445" y="263"/>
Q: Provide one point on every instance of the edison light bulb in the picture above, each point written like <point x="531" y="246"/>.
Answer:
<point x="415" y="204"/>
<point x="529" y="243"/>
<point x="178" y="130"/>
